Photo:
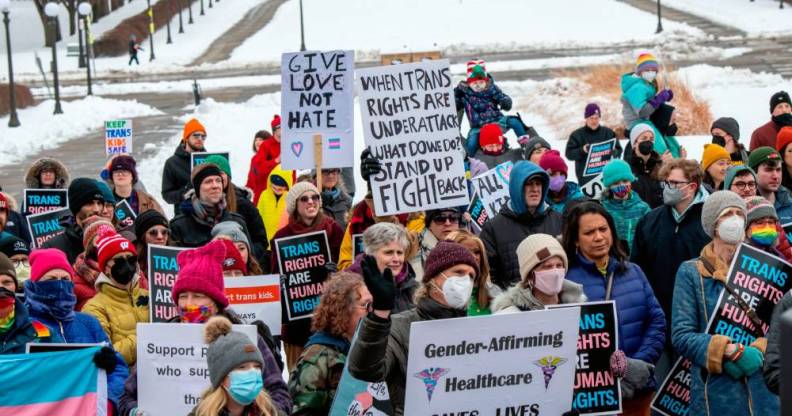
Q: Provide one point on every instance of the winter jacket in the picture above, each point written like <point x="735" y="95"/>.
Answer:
<point x="140" y="201"/>
<point x="571" y="192"/>
<point x="336" y="204"/>
<point x="586" y="136"/>
<point x="482" y="107"/>
<point x="646" y="184"/>
<point x="272" y="209"/>
<point x="382" y="347"/>
<point x="783" y="205"/>
<point x="503" y="233"/>
<point x="176" y="177"/>
<point x="253" y="223"/>
<point x="119" y="311"/>
<point x="32" y="177"/>
<point x="642" y="323"/>
<point x="86" y="271"/>
<point x="521" y="299"/>
<point x="70" y="242"/>
<point x="508" y="155"/>
<point x="24" y="330"/>
<point x="261" y="165"/>
<point x="406" y="284"/>
<point x="273" y="379"/>
<point x="187" y="231"/>
<point x="16" y="223"/>
<point x="772" y="365"/>
<point x="661" y="244"/>
<point x="636" y="93"/>
<point x="626" y="214"/>
<point x="712" y="391"/>
<point x="765" y="135"/>
<point x="314" y="380"/>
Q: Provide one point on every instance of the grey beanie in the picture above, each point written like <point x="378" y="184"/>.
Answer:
<point x="232" y="230"/>
<point x="296" y="192"/>
<point x="536" y="142"/>
<point x="729" y="125"/>
<point x="227" y="349"/>
<point x="714" y="207"/>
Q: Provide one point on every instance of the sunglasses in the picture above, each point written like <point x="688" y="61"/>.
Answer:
<point x="445" y="218"/>
<point x="155" y="232"/>
<point x="305" y="198"/>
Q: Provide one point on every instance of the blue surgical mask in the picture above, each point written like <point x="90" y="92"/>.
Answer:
<point x="245" y="385"/>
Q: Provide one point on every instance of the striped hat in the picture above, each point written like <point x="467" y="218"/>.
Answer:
<point x="646" y="62"/>
<point x="476" y="70"/>
<point x="111" y="244"/>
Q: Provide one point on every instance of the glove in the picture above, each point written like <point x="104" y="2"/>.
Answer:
<point x="523" y="140"/>
<point x="369" y="165"/>
<point x="331" y="267"/>
<point x="750" y="361"/>
<point x="381" y="285"/>
<point x="661" y="98"/>
<point x="618" y="363"/>
<point x="142" y="300"/>
<point x="733" y="370"/>
<point x="670" y="94"/>
<point x="105" y="359"/>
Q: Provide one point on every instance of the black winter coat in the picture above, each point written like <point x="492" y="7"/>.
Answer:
<point x="502" y="234"/>
<point x="646" y="184"/>
<point x="176" y="177"/>
<point x="255" y="225"/>
<point x="585" y="136"/>
<point x="772" y="364"/>
<point x="186" y="231"/>
<point x="509" y="155"/>
<point x="16" y="224"/>
<point x="70" y="242"/>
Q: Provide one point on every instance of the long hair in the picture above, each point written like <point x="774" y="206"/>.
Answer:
<point x="253" y="266"/>
<point x="231" y="199"/>
<point x="214" y="400"/>
<point x="483" y="278"/>
<point x="572" y="228"/>
<point x="339" y="295"/>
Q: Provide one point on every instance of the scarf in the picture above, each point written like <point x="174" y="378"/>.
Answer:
<point x="208" y="214"/>
<point x="87" y="268"/>
<point x="53" y="298"/>
<point x="7" y="322"/>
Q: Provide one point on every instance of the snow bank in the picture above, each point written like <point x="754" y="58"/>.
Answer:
<point x="753" y="17"/>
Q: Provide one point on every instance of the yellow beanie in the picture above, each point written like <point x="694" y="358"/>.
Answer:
<point x="712" y="154"/>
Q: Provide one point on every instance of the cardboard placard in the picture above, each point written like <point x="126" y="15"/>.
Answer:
<point x="118" y="137"/>
<point x="124" y="215"/>
<point x="357" y="245"/>
<point x="598" y="156"/>
<point x="492" y="187"/>
<point x="45" y="226"/>
<point x="256" y="298"/>
<point x="301" y="261"/>
<point x="162" y="271"/>
<point x="410" y="125"/>
<point x="36" y="201"/>
<point x="198" y="158"/>
<point x="356" y="397"/>
<point x="317" y="97"/>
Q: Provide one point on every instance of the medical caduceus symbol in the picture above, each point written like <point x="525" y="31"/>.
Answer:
<point x="430" y="377"/>
<point x="549" y="364"/>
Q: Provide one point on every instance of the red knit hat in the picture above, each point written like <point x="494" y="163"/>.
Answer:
<point x="111" y="244"/>
<point x="490" y="134"/>
<point x="201" y="270"/>
<point x="3" y="202"/>
<point x="552" y="160"/>
<point x="46" y="259"/>
<point x="233" y="258"/>
<point x="191" y="127"/>
<point x="275" y="123"/>
<point x="784" y="138"/>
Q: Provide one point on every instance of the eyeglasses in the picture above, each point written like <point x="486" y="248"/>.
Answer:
<point x="675" y="184"/>
<point x="156" y="232"/>
<point x="744" y="185"/>
<point x="305" y="198"/>
<point x="198" y="136"/>
<point x="368" y="306"/>
<point x="20" y="263"/>
<point x="445" y="218"/>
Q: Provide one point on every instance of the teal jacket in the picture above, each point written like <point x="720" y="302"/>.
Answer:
<point x="573" y="193"/>
<point x="626" y="214"/>
<point x="636" y="93"/>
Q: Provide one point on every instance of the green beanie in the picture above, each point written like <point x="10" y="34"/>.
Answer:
<point x="761" y="155"/>
<point x="616" y="170"/>
<point x="733" y="172"/>
<point x="220" y="162"/>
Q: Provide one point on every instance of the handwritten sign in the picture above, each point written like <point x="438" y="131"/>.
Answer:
<point x="256" y="298"/>
<point x="162" y="271"/>
<point x="598" y="156"/>
<point x="46" y="226"/>
<point x="199" y="158"/>
<point x="492" y="187"/>
<point x="301" y="261"/>
<point x="36" y="201"/>
<point x="124" y="215"/>
<point x="118" y="137"/>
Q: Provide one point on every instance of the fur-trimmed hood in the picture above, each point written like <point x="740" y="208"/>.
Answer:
<point x="519" y="298"/>
<point x="61" y="173"/>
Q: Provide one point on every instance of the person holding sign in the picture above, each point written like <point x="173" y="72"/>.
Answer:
<point x="235" y="372"/>
<point x="85" y="200"/>
<point x="382" y="347"/>
<point x="561" y="191"/>
<point x="726" y="377"/>
<point x="176" y="173"/>
<point x="621" y="202"/>
<point x="581" y="140"/>
<point x="47" y="173"/>
<point x="313" y="383"/>
<point x="599" y="264"/>
<point x="123" y="178"/>
<point x="714" y="163"/>
<point x="543" y="265"/>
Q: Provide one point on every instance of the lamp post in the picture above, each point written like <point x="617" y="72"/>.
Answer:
<point x="81" y="57"/>
<point x="202" y="9"/>
<point x="167" y="25"/>
<point x="302" y="29"/>
<point x="189" y="12"/>
<point x="84" y="9"/>
<point x="13" y="119"/>
<point x="151" y="31"/>
<point x="51" y="9"/>
<point x="659" y="19"/>
<point x="181" y="23"/>
<point x="210" y="4"/>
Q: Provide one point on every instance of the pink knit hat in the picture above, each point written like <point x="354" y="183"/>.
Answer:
<point x="46" y="259"/>
<point x="201" y="270"/>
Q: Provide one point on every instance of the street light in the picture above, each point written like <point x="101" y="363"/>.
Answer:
<point x="85" y="9"/>
<point x="167" y="24"/>
<point x="51" y="9"/>
<point x="302" y="29"/>
<point x="210" y="4"/>
<point x="659" y="19"/>
<point x="189" y="11"/>
<point x="151" y="31"/>
<point x="13" y="119"/>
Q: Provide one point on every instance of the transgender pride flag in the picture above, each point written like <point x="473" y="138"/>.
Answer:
<point x="52" y="383"/>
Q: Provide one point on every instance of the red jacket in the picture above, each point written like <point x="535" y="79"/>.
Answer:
<point x="765" y="135"/>
<point x="261" y="165"/>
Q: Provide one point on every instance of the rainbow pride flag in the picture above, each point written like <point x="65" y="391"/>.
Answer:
<point x="52" y="383"/>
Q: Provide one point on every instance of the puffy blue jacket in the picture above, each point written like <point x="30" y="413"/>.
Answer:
<point x="641" y="320"/>
<point x="482" y="107"/>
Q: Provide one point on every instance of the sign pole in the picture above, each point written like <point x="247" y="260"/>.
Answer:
<point x="317" y="138"/>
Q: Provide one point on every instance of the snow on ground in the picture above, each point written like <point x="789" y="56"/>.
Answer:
<point x="753" y="17"/>
<point x="453" y="26"/>
<point x="41" y="130"/>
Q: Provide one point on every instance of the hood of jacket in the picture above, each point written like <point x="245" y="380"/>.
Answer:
<point x="324" y="338"/>
<point x="181" y="151"/>
<point x="523" y="298"/>
<point x="629" y="80"/>
<point x="520" y="173"/>
<point x="286" y="175"/>
<point x="61" y="173"/>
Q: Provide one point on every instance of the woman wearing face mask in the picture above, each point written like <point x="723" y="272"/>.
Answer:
<point x="543" y="265"/>
<point x="601" y="266"/>
<point x="641" y="97"/>
<point x="561" y="191"/>
<point x="645" y="165"/>
<point x="235" y="373"/>
<point x="762" y="229"/>
<point x="726" y="133"/>
<point x="622" y="203"/>
<point x="382" y="348"/>
<point x="726" y="377"/>
<point x="313" y="383"/>
<point x="17" y="251"/>
<point x="714" y="162"/>
<point x="49" y="296"/>
<point x="17" y="328"/>
<point x="86" y="266"/>
<point x="483" y="288"/>
<point x="120" y="303"/>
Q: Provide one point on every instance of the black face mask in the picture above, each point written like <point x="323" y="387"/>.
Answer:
<point x="720" y="141"/>
<point x="783" y="119"/>
<point x="124" y="270"/>
<point x="645" y="148"/>
<point x="671" y="130"/>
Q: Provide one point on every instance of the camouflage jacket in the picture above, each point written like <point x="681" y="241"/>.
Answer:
<point x="313" y="382"/>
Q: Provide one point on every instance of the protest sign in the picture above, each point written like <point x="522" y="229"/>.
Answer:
<point x="788" y="231"/>
<point x="256" y="298"/>
<point x="357" y="245"/>
<point x="162" y="270"/>
<point x="673" y="397"/>
<point x="171" y="366"/>
<point x="360" y="398"/>
<point x="593" y="188"/>
<point x="198" y="158"/>
<point x="597" y="391"/>
<point x="492" y="187"/>
<point x="410" y="125"/>
<point x="301" y="261"/>
<point x="118" y="137"/>
<point x="493" y="365"/>
<point x="45" y="226"/>
<point x="317" y="98"/>
<point x="36" y="201"/>
<point x="477" y="213"/>
<point x="599" y="155"/>
<point x="124" y="215"/>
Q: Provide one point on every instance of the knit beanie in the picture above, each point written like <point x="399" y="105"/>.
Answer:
<point x="82" y="191"/>
<point x="233" y="258"/>
<point x="447" y="254"/>
<point x="637" y="130"/>
<point x="712" y="154"/>
<point x="7" y="269"/>
<point x="111" y="244"/>
<point x="146" y="220"/>
<point x="95" y="226"/>
<point x="45" y="259"/>
<point x="778" y="98"/>
<point x="124" y="162"/>
<point x="616" y="170"/>
<point x="192" y="126"/>
<point x="202" y="172"/>
<point x="201" y="270"/>
<point x="276" y="122"/>
<point x="296" y="192"/>
<point x="490" y="133"/>
<point x="430" y="215"/>
<point x="733" y="172"/>
<point x="591" y="110"/>
<point x="646" y="62"/>
<point x="232" y="230"/>
<point x="536" y="142"/>
<point x="757" y="207"/>
<point x="476" y="70"/>
<point x="3" y="202"/>
<point x="537" y="248"/>
<point x="784" y="138"/>
<point x="729" y="125"/>
<point x="107" y="194"/>
<point x="551" y="160"/>
<point x="714" y="206"/>
<point x="12" y="245"/>
<point x="227" y="349"/>
<point x="761" y="155"/>
<point x="221" y="163"/>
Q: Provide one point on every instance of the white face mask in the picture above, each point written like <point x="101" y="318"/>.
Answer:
<point x="457" y="290"/>
<point x="549" y="281"/>
<point x="732" y="229"/>
<point x="649" y="76"/>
